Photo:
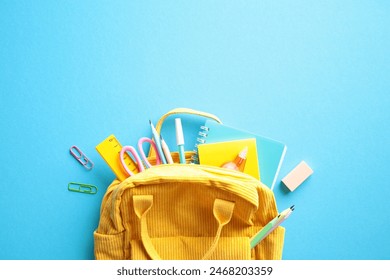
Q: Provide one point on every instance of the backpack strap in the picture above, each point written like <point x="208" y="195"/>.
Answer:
<point x="185" y="111"/>
<point x="222" y="210"/>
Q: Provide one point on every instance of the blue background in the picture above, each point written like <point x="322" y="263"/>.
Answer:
<point x="315" y="76"/>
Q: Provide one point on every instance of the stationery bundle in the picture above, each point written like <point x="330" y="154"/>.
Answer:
<point x="270" y="152"/>
<point x="219" y="209"/>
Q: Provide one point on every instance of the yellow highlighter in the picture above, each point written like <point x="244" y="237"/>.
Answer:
<point x="110" y="149"/>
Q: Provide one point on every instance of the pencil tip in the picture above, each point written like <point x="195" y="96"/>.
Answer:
<point x="150" y="122"/>
<point x="292" y="208"/>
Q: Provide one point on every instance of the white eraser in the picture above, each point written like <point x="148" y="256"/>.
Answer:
<point x="297" y="176"/>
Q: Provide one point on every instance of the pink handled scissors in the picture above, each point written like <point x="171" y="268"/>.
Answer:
<point x="136" y="156"/>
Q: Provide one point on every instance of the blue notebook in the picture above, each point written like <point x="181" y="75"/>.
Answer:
<point x="270" y="152"/>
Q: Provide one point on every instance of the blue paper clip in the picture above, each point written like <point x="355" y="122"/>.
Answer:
<point x="82" y="188"/>
<point x="81" y="157"/>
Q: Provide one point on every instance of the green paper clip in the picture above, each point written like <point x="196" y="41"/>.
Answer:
<point x="82" y="188"/>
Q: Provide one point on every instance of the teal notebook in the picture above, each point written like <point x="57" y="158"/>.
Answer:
<point x="270" y="152"/>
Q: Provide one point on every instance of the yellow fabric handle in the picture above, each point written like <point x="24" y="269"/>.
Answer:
<point x="185" y="111"/>
<point x="222" y="210"/>
<point x="182" y="111"/>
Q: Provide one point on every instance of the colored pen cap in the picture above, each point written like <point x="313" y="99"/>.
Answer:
<point x="179" y="132"/>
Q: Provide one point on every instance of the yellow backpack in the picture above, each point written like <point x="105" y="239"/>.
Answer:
<point x="187" y="211"/>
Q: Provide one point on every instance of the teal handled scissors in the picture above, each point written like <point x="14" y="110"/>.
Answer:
<point x="136" y="156"/>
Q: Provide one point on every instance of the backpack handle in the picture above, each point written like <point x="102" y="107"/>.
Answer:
<point x="177" y="111"/>
<point x="186" y="111"/>
<point x="222" y="210"/>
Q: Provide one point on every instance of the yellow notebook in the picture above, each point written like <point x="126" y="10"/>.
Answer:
<point x="217" y="154"/>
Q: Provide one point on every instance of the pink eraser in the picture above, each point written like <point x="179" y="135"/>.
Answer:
<point x="296" y="177"/>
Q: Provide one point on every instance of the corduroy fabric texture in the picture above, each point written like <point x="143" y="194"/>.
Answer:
<point x="186" y="211"/>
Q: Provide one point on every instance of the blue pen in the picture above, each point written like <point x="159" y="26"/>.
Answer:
<point x="180" y="140"/>
<point x="158" y="143"/>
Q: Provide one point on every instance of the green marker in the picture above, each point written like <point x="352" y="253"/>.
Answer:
<point x="268" y="228"/>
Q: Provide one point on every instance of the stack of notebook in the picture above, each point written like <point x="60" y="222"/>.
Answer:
<point x="270" y="153"/>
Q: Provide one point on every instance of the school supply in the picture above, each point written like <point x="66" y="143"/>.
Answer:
<point x="140" y="160"/>
<point x="110" y="149"/>
<point x="167" y="152"/>
<point x="181" y="111"/>
<point x="239" y="162"/>
<point x="81" y="157"/>
<point x="270" y="152"/>
<point x="180" y="140"/>
<point x="186" y="211"/>
<point x="156" y="138"/>
<point x="82" y="188"/>
<point x="220" y="153"/>
<point x="297" y="176"/>
<point x="271" y="226"/>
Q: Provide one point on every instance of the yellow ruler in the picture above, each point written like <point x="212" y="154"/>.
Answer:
<point x="110" y="149"/>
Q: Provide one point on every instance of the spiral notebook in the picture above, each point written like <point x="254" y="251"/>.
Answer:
<point x="270" y="152"/>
